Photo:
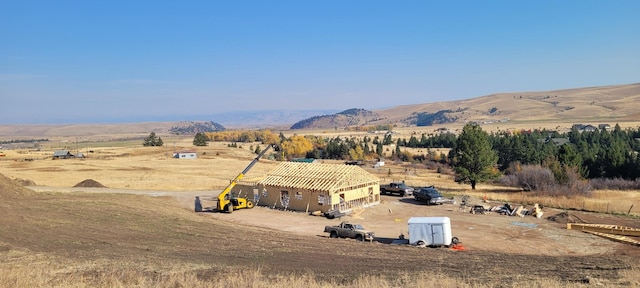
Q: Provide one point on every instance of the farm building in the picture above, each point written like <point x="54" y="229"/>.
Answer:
<point x="62" y="154"/>
<point x="185" y="155"/>
<point x="307" y="187"/>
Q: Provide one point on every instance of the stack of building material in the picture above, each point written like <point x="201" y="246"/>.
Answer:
<point x="611" y="232"/>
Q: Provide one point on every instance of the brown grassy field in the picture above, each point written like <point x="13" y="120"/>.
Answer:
<point x="78" y="239"/>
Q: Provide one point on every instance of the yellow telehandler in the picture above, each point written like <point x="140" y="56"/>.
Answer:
<point x="226" y="201"/>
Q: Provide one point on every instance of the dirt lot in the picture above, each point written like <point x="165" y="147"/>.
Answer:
<point x="150" y="228"/>
<point x="135" y="219"/>
<point x="489" y="232"/>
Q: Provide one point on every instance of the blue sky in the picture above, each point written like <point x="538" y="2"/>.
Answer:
<point x="129" y="61"/>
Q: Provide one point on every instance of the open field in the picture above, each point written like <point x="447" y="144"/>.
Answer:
<point x="141" y="231"/>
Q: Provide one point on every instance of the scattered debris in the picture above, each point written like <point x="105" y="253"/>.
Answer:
<point x="457" y="247"/>
<point x="477" y="209"/>
<point x="505" y="209"/>
<point x="464" y="202"/>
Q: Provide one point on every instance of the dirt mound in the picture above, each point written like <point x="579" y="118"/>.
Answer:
<point x="25" y="182"/>
<point x="12" y="189"/>
<point x="565" y="217"/>
<point x="90" y="183"/>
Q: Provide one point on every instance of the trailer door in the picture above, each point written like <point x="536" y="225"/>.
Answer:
<point x="437" y="233"/>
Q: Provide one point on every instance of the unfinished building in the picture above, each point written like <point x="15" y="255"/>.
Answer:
<point x="314" y="187"/>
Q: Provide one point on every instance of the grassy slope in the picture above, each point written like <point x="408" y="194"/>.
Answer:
<point x="152" y="232"/>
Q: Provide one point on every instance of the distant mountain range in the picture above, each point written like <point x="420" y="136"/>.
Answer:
<point x="591" y="104"/>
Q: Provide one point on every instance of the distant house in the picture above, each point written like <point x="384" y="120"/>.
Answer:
<point x="185" y="155"/>
<point x="584" y="128"/>
<point x="604" y="126"/>
<point x="62" y="154"/>
<point x="558" y="141"/>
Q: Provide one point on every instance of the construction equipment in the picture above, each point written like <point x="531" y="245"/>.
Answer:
<point x="228" y="202"/>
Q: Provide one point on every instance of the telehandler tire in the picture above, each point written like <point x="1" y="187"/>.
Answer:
<point x="250" y="204"/>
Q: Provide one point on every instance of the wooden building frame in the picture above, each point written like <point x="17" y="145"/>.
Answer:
<point x="308" y="187"/>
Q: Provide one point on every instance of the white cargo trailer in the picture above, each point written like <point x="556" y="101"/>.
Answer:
<point x="431" y="231"/>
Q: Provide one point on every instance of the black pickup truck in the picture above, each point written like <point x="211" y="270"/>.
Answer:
<point x="396" y="188"/>
<point x="429" y="195"/>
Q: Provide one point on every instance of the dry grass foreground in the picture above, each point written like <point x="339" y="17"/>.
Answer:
<point x="55" y="239"/>
<point x="120" y="240"/>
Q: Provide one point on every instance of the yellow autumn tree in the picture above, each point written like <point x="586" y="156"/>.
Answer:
<point x="356" y="153"/>
<point x="296" y="146"/>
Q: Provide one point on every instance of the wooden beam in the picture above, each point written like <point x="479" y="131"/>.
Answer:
<point x="618" y="238"/>
<point x="604" y="228"/>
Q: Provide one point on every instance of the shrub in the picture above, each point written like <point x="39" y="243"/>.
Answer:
<point x="614" y="184"/>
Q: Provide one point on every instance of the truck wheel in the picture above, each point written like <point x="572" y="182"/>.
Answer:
<point x="359" y="238"/>
<point x="421" y="243"/>
<point x="382" y="191"/>
<point x="455" y="240"/>
<point x="333" y="234"/>
<point x="250" y="204"/>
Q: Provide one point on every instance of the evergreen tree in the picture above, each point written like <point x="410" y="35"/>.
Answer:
<point x="200" y="140"/>
<point x="474" y="156"/>
<point x="152" y="140"/>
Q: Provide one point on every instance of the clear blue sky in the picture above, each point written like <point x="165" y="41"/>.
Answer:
<point x="103" y="61"/>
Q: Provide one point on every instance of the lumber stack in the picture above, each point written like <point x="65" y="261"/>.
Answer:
<point x="611" y="232"/>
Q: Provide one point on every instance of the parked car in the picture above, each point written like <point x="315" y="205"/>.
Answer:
<point x="429" y="195"/>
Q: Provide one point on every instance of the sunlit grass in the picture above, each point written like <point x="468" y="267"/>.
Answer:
<point x="23" y="269"/>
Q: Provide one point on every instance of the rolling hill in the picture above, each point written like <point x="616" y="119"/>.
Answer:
<point x="606" y="103"/>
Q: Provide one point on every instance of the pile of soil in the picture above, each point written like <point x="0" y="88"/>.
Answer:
<point x="12" y="188"/>
<point x="90" y="183"/>
<point x="25" y="182"/>
<point x="565" y="218"/>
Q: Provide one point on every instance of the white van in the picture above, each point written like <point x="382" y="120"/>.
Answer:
<point x="431" y="231"/>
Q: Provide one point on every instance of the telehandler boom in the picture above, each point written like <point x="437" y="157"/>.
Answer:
<point x="226" y="201"/>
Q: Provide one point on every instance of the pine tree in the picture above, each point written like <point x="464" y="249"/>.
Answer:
<point x="152" y="140"/>
<point x="200" y="140"/>
<point x="474" y="156"/>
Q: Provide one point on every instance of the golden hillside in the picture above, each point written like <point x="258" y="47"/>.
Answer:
<point x="606" y="103"/>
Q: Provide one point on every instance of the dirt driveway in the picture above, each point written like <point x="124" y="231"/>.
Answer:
<point x="490" y="232"/>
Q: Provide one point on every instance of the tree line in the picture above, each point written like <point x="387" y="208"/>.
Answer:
<point x="476" y="155"/>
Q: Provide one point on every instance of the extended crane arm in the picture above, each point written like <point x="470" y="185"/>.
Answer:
<point x="223" y="200"/>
